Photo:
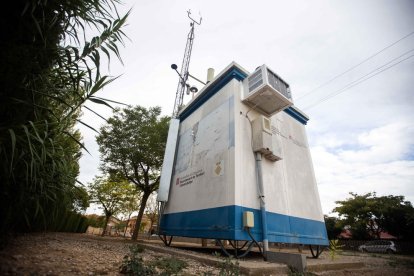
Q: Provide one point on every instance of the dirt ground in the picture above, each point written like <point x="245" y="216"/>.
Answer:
<point x="82" y="254"/>
<point x="374" y="264"/>
<point x="75" y="254"/>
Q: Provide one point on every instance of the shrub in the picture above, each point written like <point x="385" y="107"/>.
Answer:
<point x="134" y="264"/>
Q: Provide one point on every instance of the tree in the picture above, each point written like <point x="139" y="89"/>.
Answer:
<point x="369" y="215"/>
<point x="95" y="220"/>
<point x="130" y="206"/>
<point x="395" y="215"/>
<point x="133" y="143"/>
<point x="333" y="227"/>
<point x="152" y="213"/>
<point x="111" y="194"/>
<point x="80" y="200"/>
<point x="49" y="68"/>
<point x="356" y="213"/>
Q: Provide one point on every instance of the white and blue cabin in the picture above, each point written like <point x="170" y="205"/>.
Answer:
<point x="209" y="178"/>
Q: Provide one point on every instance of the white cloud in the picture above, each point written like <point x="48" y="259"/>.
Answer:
<point x="378" y="161"/>
<point x="382" y="145"/>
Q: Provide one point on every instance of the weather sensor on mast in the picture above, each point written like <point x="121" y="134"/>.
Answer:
<point x="182" y="87"/>
<point x="182" y="82"/>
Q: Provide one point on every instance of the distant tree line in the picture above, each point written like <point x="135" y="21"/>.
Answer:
<point x="367" y="216"/>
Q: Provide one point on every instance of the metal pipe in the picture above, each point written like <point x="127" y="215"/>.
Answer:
<point x="200" y="81"/>
<point x="210" y="74"/>
<point x="262" y="203"/>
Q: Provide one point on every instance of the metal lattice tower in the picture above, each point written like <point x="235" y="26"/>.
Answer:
<point x="182" y="82"/>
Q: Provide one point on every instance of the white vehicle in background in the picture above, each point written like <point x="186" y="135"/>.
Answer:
<point x="379" y="246"/>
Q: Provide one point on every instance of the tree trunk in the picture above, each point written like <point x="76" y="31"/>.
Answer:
<point x="105" y="225"/>
<point x="144" y="199"/>
<point x="126" y="227"/>
<point x="150" y="229"/>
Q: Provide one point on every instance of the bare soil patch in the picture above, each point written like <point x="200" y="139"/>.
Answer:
<point x="76" y="254"/>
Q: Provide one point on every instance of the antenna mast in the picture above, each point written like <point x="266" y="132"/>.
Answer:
<point x="182" y="82"/>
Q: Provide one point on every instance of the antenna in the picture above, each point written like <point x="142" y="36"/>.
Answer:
<point x="198" y="23"/>
<point x="182" y="82"/>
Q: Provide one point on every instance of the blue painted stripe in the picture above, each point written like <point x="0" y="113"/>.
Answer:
<point x="296" y="115"/>
<point x="227" y="223"/>
<point x="232" y="73"/>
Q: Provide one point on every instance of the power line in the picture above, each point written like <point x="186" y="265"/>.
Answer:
<point x="357" y="82"/>
<point x="353" y="67"/>
<point x="361" y="80"/>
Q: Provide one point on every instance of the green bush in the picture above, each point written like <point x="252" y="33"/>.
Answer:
<point x="69" y="221"/>
<point x="96" y="221"/>
<point x="50" y="68"/>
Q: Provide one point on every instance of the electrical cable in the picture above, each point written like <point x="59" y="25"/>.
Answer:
<point x="360" y="80"/>
<point x="378" y="68"/>
<point x="257" y="244"/>
<point x="251" y="130"/>
<point x="353" y="67"/>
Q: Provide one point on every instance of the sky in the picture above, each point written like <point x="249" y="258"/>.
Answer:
<point x="361" y="138"/>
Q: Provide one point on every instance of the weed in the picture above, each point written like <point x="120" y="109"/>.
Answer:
<point x="334" y="248"/>
<point x="133" y="264"/>
<point x="169" y="265"/>
<point x="229" y="268"/>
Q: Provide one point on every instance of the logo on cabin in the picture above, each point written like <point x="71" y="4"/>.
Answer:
<point x="219" y="168"/>
<point x="189" y="178"/>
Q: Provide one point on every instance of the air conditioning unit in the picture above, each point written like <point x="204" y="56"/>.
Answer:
<point x="266" y="92"/>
